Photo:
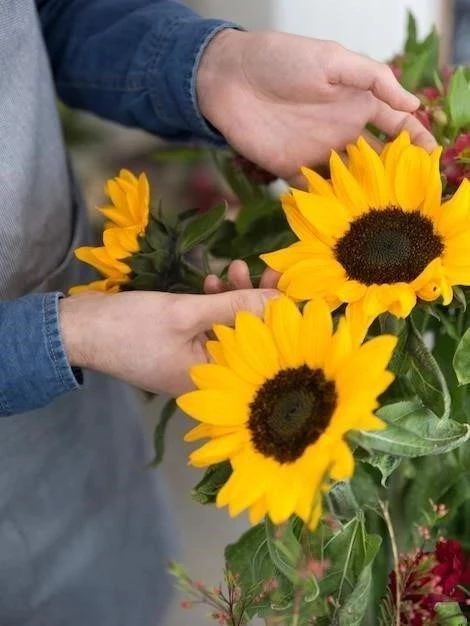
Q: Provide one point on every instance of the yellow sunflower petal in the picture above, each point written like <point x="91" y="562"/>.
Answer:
<point x="234" y="358"/>
<point x="105" y="286"/>
<point x="116" y="216"/>
<point x="340" y="349"/>
<point x="283" y="318"/>
<point x="100" y="259"/>
<point x="121" y="242"/>
<point x="316" y="183"/>
<point x="411" y="178"/>
<point x="346" y="187"/>
<point x="365" y="367"/>
<point x="216" y="352"/>
<point x="343" y="466"/>
<point x="358" y="320"/>
<point x="374" y="182"/>
<point x="282" y="259"/>
<point x="299" y="225"/>
<point x="351" y="291"/>
<point x="283" y="495"/>
<point x="401" y="299"/>
<point x="258" y="511"/>
<point x="453" y="216"/>
<point x="214" y="406"/>
<point x="312" y="278"/>
<point x="203" y="431"/>
<point x="316" y="332"/>
<point x="328" y="216"/>
<point x="218" y="449"/>
<point x="390" y="157"/>
<point x="433" y="190"/>
<point x="213" y="376"/>
<point x="256" y="344"/>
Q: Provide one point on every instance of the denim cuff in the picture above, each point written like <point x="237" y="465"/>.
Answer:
<point x="34" y="368"/>
<point x="172" y="83"/>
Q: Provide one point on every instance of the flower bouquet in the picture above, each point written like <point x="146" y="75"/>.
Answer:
<point x="340" y="421"/>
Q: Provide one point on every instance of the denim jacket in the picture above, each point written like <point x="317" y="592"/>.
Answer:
<point x="130" y="61"/>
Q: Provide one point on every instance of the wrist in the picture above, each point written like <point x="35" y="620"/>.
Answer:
<point x="76" y="324"/>
<point x="220" y="64"/>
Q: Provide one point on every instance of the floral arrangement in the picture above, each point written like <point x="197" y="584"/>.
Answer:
<point x="340" y="421"/>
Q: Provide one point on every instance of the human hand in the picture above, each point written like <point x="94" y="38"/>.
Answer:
<point x="285" y="101"/>
<point x="149" y="339"/>
<point x="238" y="277"/>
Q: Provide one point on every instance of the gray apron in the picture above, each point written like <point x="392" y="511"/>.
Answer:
<point x="83" y="525"/>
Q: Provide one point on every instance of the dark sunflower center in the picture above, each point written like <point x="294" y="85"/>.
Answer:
<point x="290" y="412"/>
<point x="388" y="246"/>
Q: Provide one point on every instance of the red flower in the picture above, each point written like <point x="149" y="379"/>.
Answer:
<point x="427" y="578"/>
<point x="456" y="160"/>
<point x="424" y="116"/>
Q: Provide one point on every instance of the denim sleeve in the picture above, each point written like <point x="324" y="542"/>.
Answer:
<point x="131" y="61"/>
<point x="34" y="368"/>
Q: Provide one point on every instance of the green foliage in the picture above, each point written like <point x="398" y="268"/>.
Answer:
<point x="412" y="430"/>
<point x="459" y="99"/>
<point x="421" y="58"/>
<point x="215" y="477"/>
<point x="159" y="434"/>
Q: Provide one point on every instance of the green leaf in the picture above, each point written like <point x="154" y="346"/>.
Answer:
<point x="254" y="209"/>
<point x="285" y="551"/>
<point x="461" y="360"/>
<point x="425" y="374"/>
<point x="215" y="477"/>
<point x="421" y="59"/>
<point x="385" y="463"/>
<point x="249" y="560"/>
<point x="411" y="33"/>
<point x="413" y="430"/>
<point x="179" y="155"/>
<point x="459" y="100"/>
<point x="450" y="614"/>
<point x="349" y="551"/>
<point x="201" y="228"/>
<point x="354" y="609"/>
<point x="160" y="430"/>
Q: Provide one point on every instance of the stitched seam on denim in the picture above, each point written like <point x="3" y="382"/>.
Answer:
<point x="50" y="324"/>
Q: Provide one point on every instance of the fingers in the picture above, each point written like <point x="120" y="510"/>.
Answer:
<point x="222" y="308"/>
<point x="355" y="70"/>
<point x="214" y="284"/>
<point x="239" y="275"/>
<point x="269" y="279"/>
<point x="393" y="122"/>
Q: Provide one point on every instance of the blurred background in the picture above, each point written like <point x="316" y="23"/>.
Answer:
<point x="100" y="149"/>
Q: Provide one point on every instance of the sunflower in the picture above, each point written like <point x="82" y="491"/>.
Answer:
<point x="128" y="217"/>
<point x="277" y="402"/>
<point x="377" y="236"/>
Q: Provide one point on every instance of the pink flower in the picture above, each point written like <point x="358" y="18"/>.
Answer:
<point x="456" y="160"/>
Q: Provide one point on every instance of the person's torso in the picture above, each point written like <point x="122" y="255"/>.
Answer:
<point x="36" y="211"/>
<point x="83" y="526"/>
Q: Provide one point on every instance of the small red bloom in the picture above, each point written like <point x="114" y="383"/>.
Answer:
<point x="427" y="578"/>
<point x="456" y="160"/>
<point x="424" y="116"/>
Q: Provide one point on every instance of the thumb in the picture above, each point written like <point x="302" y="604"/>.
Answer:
<point x="221" y="308"/>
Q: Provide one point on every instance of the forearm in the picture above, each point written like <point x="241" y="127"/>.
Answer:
<point x="34" y="367"/>
<point x="132" y="61"/>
